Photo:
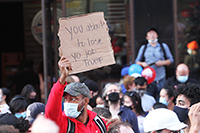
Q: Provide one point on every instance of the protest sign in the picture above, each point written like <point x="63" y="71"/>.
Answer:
<point x="85" y="42"/>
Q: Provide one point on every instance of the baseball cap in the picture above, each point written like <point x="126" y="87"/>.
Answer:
<point x="33" y="110"/>
<point x="149" y="29"/>
<point x="124" y="71"/>
<point x="92" y="85"/>
<point x="193" y="45"/>
<point x="162" y="118"/>
<point x="77" y="88"/>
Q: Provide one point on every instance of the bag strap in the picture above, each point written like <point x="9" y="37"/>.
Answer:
<point x="100" y="124"/>
<point x="71" y="126"/>
<point x="145" y="47"/>
<point x="162" y="47"/>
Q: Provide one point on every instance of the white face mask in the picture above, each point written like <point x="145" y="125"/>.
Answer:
<point x="153" y="41"/>
<point x="71" y="109"/>
<point x="100" y="105"/>
<point x="189" y="51"/>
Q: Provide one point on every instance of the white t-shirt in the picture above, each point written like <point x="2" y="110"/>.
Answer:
<point x="140" y="123"/>
<point x="147" y="102"/>
<point x="4" y="109"/>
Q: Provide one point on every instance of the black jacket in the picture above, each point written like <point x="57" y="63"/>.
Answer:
<point x="173" y="81"/>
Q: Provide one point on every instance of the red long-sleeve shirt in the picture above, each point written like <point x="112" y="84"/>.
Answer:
<point x="54" y="112"/>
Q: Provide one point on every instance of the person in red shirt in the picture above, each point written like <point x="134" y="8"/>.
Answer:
<point x="75" y="112"/>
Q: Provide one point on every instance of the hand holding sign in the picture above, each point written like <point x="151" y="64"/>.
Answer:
<point x="85" y="42"/>
<point x="64" y="66"/>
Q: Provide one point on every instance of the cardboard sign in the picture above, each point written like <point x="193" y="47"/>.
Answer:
<point x="85" y="42"/>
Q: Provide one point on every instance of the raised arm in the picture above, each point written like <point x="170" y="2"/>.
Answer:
<point x="53" y="108"/>
<point x="194" y="116"/>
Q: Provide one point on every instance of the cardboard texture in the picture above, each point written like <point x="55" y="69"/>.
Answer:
<point x="85" y="42"/>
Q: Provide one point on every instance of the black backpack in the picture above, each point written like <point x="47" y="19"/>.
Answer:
<point x="170" y="70"/>
<point x="99" y="122"/>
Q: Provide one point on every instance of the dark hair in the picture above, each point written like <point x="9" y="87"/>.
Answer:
<point x="170" y="92"/>
<point x="140" y="81"/>
<point x="159" y="105"/>
<point x="116" y="128"/>
<point x="190" y="90"/>
<point x="6" y="92"/>
<point x="27" y="90"/>
<point x="136" y="99"/>
<point x="102" y="112"/>
<point x="92" y="85"/>
<point x="23" y="125"/>
<point x="18" y="103"/>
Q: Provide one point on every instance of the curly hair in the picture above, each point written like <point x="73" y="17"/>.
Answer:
<point x="22" y="124"/>
<point x="190" y="91"/>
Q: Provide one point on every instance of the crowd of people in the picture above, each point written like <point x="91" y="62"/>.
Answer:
<point x="132" y="105"/>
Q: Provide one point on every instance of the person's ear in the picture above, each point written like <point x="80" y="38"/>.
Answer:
<point x="147" y="38"/>
<point x="4" y="97"/>
<point x="129" y="86"/>
<point x="171" y="98"/>
<point x="120" y="95"/>
<point x="107" y="97"/>
<point x="86" y="100"/>
<point x="91" y="92"/>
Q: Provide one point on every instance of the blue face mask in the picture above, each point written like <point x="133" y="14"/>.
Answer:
<point x="164" y="101"/>
<point x="71" y="109"/>
<point x="23" y="114"/>
<point x="183" y="79"/>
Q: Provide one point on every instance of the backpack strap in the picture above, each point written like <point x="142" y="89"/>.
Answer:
<point x="145" y="47"/>
<point x="71" y="126"/>
<point x="161" y="45"/>
<point x="100" y="124"/>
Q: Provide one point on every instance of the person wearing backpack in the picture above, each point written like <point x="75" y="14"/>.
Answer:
<point x="156" y="55"/>
<point x="75" y="118"/>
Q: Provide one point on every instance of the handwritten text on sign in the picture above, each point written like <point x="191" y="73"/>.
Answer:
<point x="85" y="42"/>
